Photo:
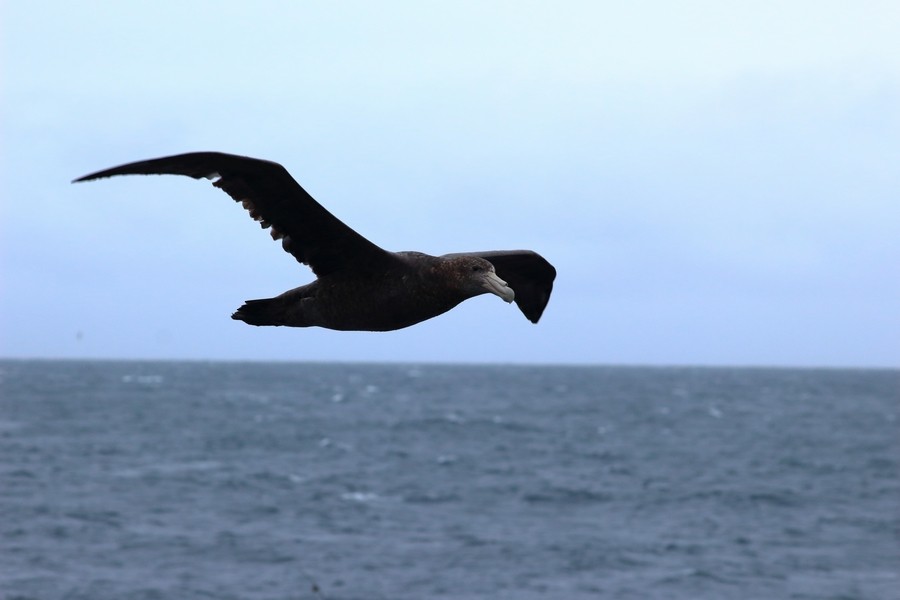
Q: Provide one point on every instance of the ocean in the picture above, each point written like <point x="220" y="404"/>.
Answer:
<point x="194" y="480"/>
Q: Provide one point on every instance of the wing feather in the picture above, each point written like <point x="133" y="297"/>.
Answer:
<point x="308" y="231"/>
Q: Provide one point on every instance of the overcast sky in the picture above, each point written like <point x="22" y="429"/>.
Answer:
<point x="716" y="182"/>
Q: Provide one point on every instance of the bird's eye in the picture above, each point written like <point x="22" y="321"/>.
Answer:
<point x="475" y="268"/>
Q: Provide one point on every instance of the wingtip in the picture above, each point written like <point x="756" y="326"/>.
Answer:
<point x="90" y="177"/>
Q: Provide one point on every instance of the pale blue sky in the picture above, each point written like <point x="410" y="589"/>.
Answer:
<point x="716" y="182"/>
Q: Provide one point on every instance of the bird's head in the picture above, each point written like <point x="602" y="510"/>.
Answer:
<point x="476" y="276"/>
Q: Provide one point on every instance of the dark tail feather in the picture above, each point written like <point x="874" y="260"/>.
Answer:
<point x="261" y="312"/>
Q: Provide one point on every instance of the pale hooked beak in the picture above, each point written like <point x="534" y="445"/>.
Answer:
<point x="497" y="286"/>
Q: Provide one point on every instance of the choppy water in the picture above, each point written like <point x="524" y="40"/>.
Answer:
<point x="294" y="481"/>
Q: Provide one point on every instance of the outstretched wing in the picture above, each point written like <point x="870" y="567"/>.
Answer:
<point x="309" y="232"/>
<point x="528" y="274"/>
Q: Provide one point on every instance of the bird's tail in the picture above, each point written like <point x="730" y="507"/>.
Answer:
<point x="267" y="311"/>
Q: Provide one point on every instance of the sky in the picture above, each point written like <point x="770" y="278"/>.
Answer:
<point x="717" y="183"/>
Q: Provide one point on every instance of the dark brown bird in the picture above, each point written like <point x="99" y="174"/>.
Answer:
<point x="359" y="286"/>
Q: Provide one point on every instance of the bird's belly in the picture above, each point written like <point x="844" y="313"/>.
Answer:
<point x="377" y="308"/>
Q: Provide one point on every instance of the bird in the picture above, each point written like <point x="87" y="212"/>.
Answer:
<point x="359" y="286"/>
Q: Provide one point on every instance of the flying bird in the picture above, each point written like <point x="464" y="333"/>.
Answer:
<point x="359" y="286"/>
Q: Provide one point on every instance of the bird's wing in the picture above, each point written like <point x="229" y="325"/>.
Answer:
<point x="527" y="273"/>
<point x="309" y="232"/>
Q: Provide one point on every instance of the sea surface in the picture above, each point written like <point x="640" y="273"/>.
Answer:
<point x="192" y="480"/>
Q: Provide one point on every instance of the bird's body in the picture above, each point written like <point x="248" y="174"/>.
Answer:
<point x="359" y="285"/>
<point x="413" y="291"/>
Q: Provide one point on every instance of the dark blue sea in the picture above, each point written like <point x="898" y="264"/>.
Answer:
<point x="191" y="480"/>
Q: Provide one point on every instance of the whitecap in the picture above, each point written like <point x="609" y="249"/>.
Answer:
<point x="447" y="459"/>
<point x="454" y="417"/>
<point x="143" y="379"/>
<point x="169" y="468"/>
<point x="359" y="496"/>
